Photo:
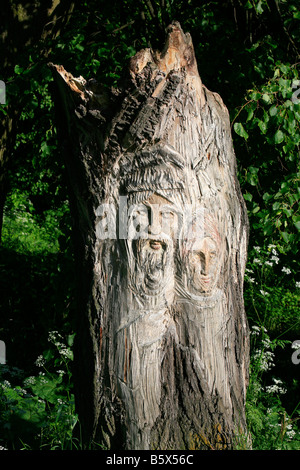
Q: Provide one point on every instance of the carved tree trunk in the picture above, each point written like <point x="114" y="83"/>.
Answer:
<point x="162" y="229"/>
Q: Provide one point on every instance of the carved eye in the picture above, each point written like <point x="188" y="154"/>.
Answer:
<point x="195" y="258"/>
<point x="167" y="215"/>
<point x="140" y="219"/>
<point x="140" y="215"/>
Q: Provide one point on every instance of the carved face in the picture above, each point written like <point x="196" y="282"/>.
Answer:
<point x="154" y="219"/>
<point x="203" y="260"/>
<point x="202" y="254"/>
<point x="155" y="226"/>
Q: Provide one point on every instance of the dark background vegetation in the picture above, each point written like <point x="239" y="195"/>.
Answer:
<point x="247" y="51"/>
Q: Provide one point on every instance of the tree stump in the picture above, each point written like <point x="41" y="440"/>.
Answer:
<point x="162" y="346"/>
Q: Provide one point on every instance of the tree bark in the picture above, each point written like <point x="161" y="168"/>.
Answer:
<point x="161" y="232"/>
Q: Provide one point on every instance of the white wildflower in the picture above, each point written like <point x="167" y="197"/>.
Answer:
<point x="277" y="381"/>
<point x="40" y="362"/>
<point x="264" y="293"/>
<point x="67" y="353"/>
<point x="29" y="381"/>
<point x="275" y="258"/>
<point x="257" y="261"/>
<point x="269" y="263"/>
<point x="248" y="270"/>
<point x="265" y="359"/>
<point x="298" y="284"/>
<point x="255" y="330"/>
<point x="54" y="336"/>
<point x="44" y="380"/>
<point x="290" y="433"/>
<point x="257" y="248"/>
<point x="274" y="252"/>
<point x="251" y="279"/>
<point x="276" y="389"/>
<point x="286" y="270"/>
<point x="6" y="384"/>
<point x="266" y="342"/>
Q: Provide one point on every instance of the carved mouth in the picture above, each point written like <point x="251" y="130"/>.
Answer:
<point x="203" y="283"/>
<point x="156" y="244"/>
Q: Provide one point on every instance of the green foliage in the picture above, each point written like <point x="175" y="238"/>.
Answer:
<point x="271" y="184"/>
<point x="26" y="231"/>
<point x="40" y="414"/>
<point x="270" y="426"/>
<point x="272" y="289"/>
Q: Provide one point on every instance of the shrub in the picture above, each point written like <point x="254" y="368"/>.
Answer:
<point x="40" y="414"/>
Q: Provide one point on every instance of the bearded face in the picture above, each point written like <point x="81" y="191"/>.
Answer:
<point x="154" y="259"/>
<point x="155" y="226"/>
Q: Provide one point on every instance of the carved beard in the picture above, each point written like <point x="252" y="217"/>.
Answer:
<point x="153" y="274"/>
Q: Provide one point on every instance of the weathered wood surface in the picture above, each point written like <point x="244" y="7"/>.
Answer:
<point x="162" y="343"/>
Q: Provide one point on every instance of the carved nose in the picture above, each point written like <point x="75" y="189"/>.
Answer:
<point x="154" y="229"/>
<point x="204" y="264"/>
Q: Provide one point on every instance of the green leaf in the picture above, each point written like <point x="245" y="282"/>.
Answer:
<point x="79" y="47"/>
<point x="49" y="354"/>
<point x="288" y="104"/>
<point x="249" y="5"/>
<point x="248" y="197"/>
<point x="46" y="387"/>
<point x="267" y="197"/>
<point x="285" y="236"/>
<point x="70" y="339"/>
<point x="266" y="98"/>
<point x="263" y="126"/>
<point x="276" y="206"/>
<point x="277" y="73"/>
<point x="273" y="110"/>
<point x="255" y="95"/>
<point x="250" y="115"/>
<point x="18" y="70"/>
<point x="288" y="212"/>
<point x="259" y="7"/>
<point x="45" y="149"/>
<point x="239" y="129"/>
<point x="279" y="136"/>
<point x="296" y="220"/>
